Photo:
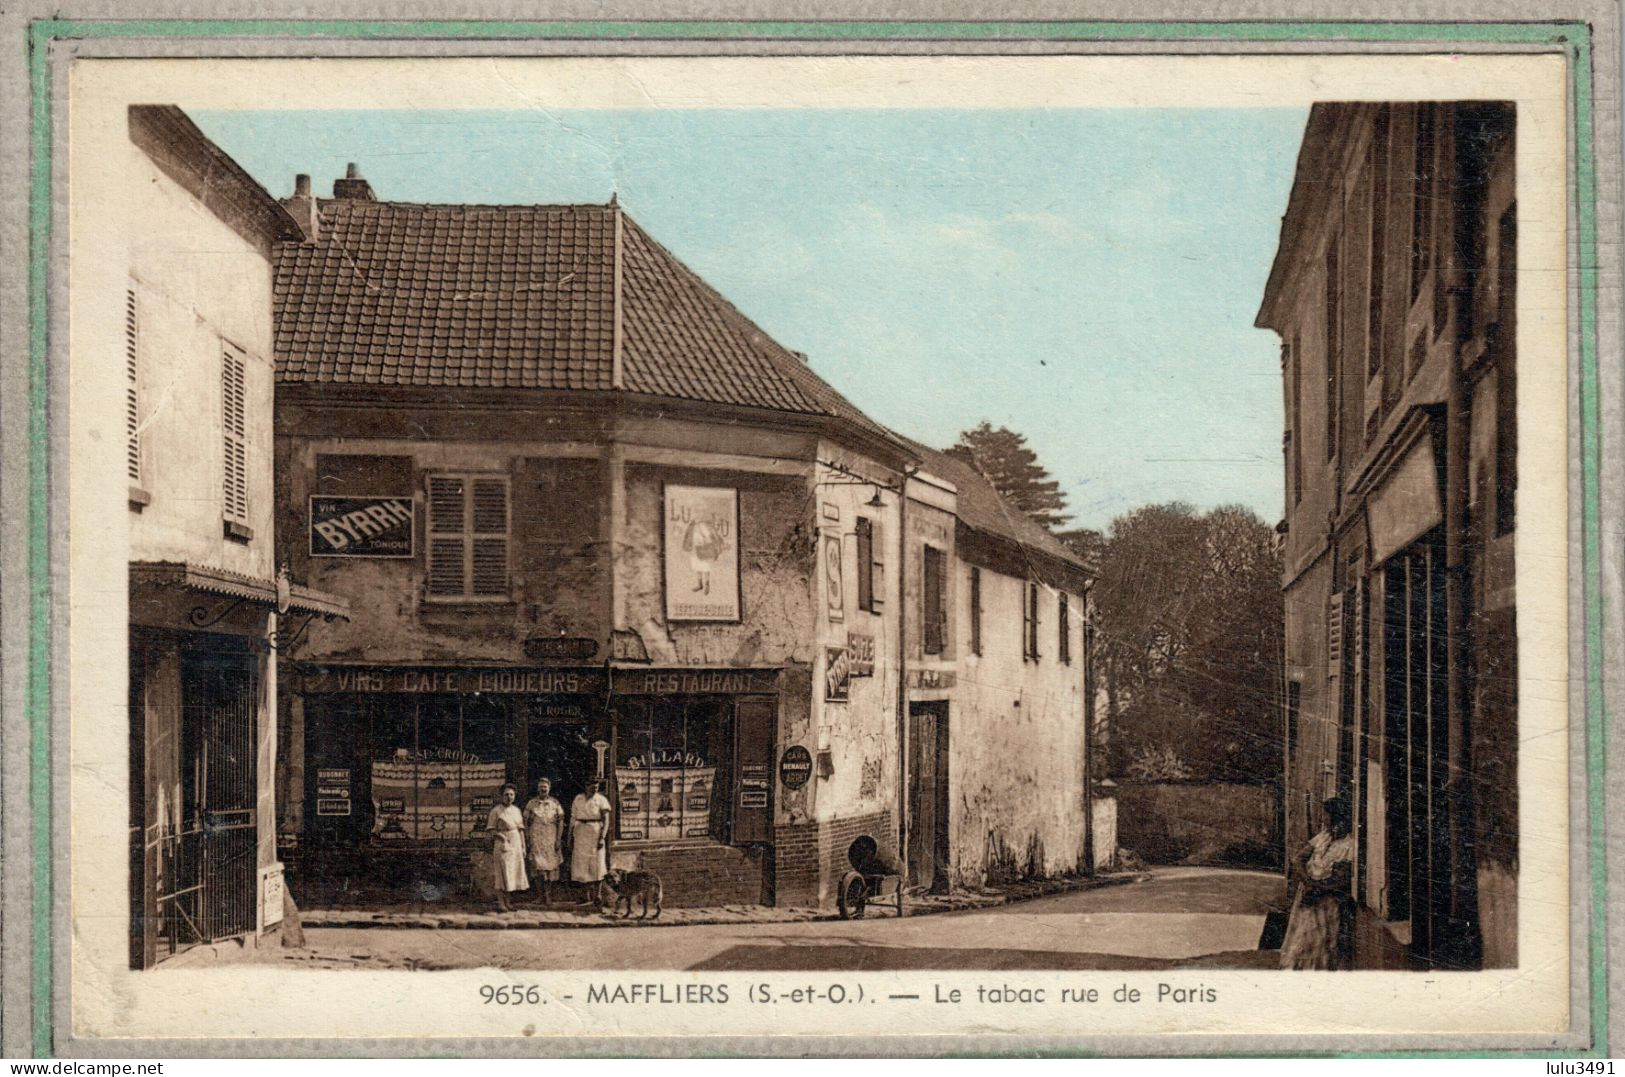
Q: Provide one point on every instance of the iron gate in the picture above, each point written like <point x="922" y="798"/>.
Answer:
<point x="218" y="845"/>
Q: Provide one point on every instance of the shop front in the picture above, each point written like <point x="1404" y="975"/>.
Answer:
<point x="410" y="760"/>
<point x="402" y="765"/>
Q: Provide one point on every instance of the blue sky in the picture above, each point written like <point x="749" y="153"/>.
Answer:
<point x="1088" y="277"/>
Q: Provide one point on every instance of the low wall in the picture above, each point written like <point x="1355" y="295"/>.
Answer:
<point x="1105" y="831"/>
<point x="1199" y="823"/>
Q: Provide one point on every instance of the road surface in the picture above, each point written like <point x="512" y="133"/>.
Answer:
<point x="1180" y="917"/>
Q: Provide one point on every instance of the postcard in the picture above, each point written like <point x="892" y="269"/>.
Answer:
<point x="713" y="551"/>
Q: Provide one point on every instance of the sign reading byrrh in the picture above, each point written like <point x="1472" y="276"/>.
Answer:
<point x="361" y="526"/>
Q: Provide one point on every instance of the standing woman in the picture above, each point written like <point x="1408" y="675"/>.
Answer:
<point x="1320" y="928"/>
<point x="589" y="834"/>
<point x="507" y="827"/>
<point x="544" y="834"/>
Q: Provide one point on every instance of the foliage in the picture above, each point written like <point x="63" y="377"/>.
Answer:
<point x="1002" y="457"/>
<point x="1190" y="619"/>
<point x="1158" y="764"/>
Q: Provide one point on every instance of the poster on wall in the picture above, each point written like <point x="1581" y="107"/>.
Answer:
<point x="361" y="526"/>
<point x="834" y="583"/>
<point x="701" y="533"/>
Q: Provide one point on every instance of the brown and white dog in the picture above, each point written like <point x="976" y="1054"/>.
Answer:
<point x="624" y="886"/>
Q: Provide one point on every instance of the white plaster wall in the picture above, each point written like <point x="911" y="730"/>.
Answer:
<point x="860" y="734"/>
<point x="1016" y="745"/>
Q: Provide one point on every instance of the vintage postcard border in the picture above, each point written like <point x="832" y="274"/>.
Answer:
<point x="1573" y="38"/>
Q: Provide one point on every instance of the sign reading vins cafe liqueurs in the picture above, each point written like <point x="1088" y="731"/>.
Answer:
<point x="361" y="526"/>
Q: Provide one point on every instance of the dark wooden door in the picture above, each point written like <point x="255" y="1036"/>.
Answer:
<point x="928" y="855"/>
<point x="222" y="788"/>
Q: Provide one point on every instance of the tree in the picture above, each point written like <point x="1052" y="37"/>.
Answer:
<point x="1002" y="457"/>
<point x="1190" y="622"/>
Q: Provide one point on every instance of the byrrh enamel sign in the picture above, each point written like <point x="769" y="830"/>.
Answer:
<point x="361" y="526"/>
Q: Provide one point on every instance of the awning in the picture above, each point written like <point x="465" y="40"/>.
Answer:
<point x="187" y="576"/>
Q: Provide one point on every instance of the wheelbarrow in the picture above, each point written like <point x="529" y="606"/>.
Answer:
<point x="875" y="876"/>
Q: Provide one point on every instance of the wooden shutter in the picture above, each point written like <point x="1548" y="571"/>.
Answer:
<point x="877" y="567"/>
<point x="489" y="560"/>
<point x="975" y="610"/>
<point x="866" y="567"/>
<point x="132" y="403"/>
<point x="934" y="594"/>
<point x="1064" y="616"/>
<point x="233" y="395"/>
<point x="754" y="723"/>
<point x="447" y="542"/>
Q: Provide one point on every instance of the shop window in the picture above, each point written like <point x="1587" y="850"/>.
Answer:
<point x="975" y="610"/>
<point x="437" y="763"/>
<point x="1063" y="615"/>
<point x="935" y="599"/>
<point x="871" y="569"/>
<point x="234" y="404"/>
<point x="673" y="768"/>
<point x="468" y="537"/>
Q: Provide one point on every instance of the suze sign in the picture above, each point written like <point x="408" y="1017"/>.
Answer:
<point x="361" y="526"/>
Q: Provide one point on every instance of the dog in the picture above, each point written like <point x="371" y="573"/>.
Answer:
<point x="626" y="886"/>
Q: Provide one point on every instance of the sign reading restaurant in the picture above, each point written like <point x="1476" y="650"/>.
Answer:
<point x="361" y="526"/>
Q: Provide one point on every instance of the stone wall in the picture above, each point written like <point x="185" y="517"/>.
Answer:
<point x="1199" y="823"/>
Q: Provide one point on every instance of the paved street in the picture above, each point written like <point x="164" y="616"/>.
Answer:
<point x="1191" y="917"/>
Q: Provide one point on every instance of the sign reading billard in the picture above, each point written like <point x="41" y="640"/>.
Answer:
<point x="361" y="526"/>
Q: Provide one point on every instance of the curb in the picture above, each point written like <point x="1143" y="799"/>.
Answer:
<point x="315" y="919"/>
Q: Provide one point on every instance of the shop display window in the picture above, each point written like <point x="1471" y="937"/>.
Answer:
<point x="673" y="769"/>
<point x="437" y="764"/>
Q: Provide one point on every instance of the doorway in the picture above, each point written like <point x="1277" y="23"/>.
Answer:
<point x="928" y="857"/>
<point x="561" y="752"/>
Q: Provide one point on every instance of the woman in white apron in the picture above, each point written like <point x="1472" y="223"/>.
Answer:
<point x="507" y="827"/>
<point x="589" y="834"/>
<point x="544" y="837"/>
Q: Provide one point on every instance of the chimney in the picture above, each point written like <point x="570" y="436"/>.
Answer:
<point x="302" y="208"/>
<point x="352" y="186"/>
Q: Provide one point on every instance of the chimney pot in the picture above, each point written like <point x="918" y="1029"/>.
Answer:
<point x="352" y="187"/>
<point x="351" y="171"/>
<point x="301" y="186"/>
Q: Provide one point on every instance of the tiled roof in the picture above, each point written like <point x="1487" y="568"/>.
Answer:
<point x="521" y="297"/>
<point x="489" y="296"/>
<point x="981" y="507"/>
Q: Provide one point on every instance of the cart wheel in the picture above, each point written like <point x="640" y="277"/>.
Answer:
<point x="851" y="897"/>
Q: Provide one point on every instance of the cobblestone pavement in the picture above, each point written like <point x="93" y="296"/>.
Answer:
<point x="1169" y="918"/>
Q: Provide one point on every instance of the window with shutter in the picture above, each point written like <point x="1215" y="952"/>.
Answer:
<point x="234" y="433"/>
<point x="934" y="594"/>
<point x="1064" y="617"/>
<point x="132" y="400"/>
<point x="468" y="537"/>
<point x="1030" y="621"/>
<point x="975" y="610"/>
<point x="866" y="578"/>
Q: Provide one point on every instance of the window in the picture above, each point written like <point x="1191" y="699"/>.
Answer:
<point x="132" y="400"/>
<point x="1334" y="342"/>
<point x="234" y="404"/>
<point x="1029" y="617"/>
<point x="935" y="598"/>
<point x="1378" y="166"/>
<point x="468" y="536"/>
<point x="871" y="569"/>
<point x="674" y="768"/>
<point x="1063" y="614"/>
<point x="1295" y="360"/>
<point x="975" y="610"/>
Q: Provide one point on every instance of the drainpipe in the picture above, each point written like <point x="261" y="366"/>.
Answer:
<point x="1088" y="864"/>
<point x="902" y="663"/>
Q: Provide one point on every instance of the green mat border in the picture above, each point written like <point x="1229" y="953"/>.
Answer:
<point x="1573" y="38"/>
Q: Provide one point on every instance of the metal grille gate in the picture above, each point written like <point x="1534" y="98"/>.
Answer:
<point x="219" y="840"/>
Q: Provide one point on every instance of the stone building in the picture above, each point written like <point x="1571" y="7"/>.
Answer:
<point x="1393" y="292"/>
<point x="185" y="272"/>
<point x="593" y="521"/>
